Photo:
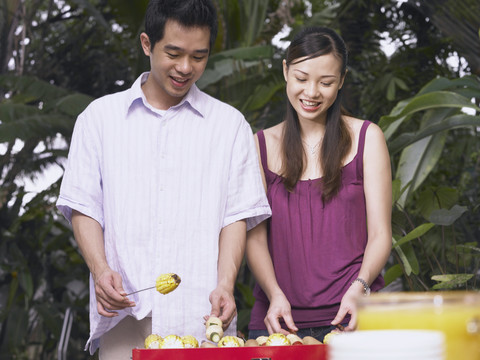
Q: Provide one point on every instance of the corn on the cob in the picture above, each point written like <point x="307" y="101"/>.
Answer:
<point x="330" y="335"/>
<point x="294" y="339"/>
<point x="214" y="333"/>
<point x="153" y="341"/>
<point x="172" y="342"/>
<point x="277" y="339"/>
<point x="189" y="341"/>
<point x="167" y="283"/>
<point x="230" y="341"/>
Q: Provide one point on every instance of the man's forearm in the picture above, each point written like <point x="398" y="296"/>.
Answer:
<point x="231" y="251"/>
<point x="89" y="236"/>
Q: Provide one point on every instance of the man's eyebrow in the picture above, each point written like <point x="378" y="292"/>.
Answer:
<point x="177" y="48"/>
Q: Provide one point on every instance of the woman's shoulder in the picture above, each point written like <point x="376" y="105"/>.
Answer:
<point x="274" y="133"/>
<point x="356" y="124"/>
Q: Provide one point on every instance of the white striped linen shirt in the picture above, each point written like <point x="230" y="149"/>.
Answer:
<point x="162" y="184"/>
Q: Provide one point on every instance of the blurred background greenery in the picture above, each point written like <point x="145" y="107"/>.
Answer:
<point x="414" y="70"/>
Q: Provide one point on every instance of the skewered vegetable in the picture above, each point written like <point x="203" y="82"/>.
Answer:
<point x="189" y="341"/>
<point x="310" y="340"/>
<point x="214" y="333"/>
<point x="330" y="335"/>
<point x="230" y="341"/>
<point x="277" y="339"/>
<point x="166" y="283"/>
<point x="172" y="342"/>
<point x="294" y="339"/>
<point x="213" y="320"/>
<point x="262" y="340"/>
<point x="153" y="341"/>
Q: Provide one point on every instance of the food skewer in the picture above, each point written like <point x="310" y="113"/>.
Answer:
<point x="165" y="284"/>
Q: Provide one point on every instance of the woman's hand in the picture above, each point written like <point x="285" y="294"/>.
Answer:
<point x="279" y="309"/>
<point x="348" y="305"/>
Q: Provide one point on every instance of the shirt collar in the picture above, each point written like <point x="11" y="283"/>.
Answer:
<point x="191" y="100"/>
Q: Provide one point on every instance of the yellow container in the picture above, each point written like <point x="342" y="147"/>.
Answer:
<point x="456" y="313"/>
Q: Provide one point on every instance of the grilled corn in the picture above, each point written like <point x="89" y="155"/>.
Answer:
<point x="153" y="341"/>
<point x="189" y="341"/>
<point x="277" y="339"/>
<point x="330" y="335"/>
<point x="230" y="341"/>
<point x="167" y="283"/>
<point x="172" y="342"/>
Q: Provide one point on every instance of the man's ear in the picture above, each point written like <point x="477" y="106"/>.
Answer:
<point x="146" y="45"/>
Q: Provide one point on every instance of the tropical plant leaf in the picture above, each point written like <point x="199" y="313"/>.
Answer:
<point x="392" y="274"/>
<point x="450" y="281"/>
<point x="447" y="217"/>
<point x="434" y="198"/>
<point x="417" y="161"/>
<point x="449" y="123"/>
<point x="414" y="234"/>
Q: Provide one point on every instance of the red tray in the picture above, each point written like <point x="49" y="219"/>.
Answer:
<point x="303" y="352"/>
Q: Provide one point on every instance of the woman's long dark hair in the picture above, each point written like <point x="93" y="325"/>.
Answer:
<point x="310" y="43"/>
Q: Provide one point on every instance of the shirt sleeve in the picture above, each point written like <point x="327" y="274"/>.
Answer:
<point x="81" y="188"/>
<point x="246" y="195"/>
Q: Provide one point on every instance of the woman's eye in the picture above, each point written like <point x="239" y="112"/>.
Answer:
<point x="326" y="84"/>
<point x="301" y="80"/>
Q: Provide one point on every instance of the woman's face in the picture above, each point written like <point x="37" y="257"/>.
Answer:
<point x="312" y="85"/>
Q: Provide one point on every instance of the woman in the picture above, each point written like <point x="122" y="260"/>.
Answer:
<point x="328" y="181"/>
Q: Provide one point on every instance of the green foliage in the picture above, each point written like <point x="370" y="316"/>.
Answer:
<point x="436" y="123"/>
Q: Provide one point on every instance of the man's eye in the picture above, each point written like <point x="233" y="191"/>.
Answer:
<point x="172" y="55"/>
<point x="199" y="58"/>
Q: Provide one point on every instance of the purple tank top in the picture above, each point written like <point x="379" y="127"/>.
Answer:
<point x="317" y="249"/>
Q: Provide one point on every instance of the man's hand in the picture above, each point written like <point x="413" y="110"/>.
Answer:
<point x="223" y="305"/>
<point x="110" y="294"/>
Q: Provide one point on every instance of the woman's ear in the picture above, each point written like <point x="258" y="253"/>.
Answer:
<point x="145" y="41"/>
<point x="342" y="80"/>
<point x="285" y="69"/>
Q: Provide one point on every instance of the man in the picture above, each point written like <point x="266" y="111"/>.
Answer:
<point x="162" y="178"/>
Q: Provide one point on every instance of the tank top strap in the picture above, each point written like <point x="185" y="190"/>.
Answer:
<point x="263" y="150"/>
<point x="361" y="147"/>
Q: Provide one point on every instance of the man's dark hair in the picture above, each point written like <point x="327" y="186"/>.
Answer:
<point x="189" y="13"/>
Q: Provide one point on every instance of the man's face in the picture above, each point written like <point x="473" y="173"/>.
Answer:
<point x="177" y="62"/>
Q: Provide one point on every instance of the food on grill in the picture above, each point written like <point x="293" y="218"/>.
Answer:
<point x="213" y="320"/>
<point x="251" y="342"/>
<point x="294" y="339"/>
<point x="166" y="283"/>
<point x="189" y="341"/>
<point x="262" y="340"/>
<point x="208" y="344"/>
<point x="214" y="330"/>
<point x="310" y="340"/>
<point x="330" y="335"/>
<point x="214" y="333"/>
<point x="172" y="342"/>
<point x="153" y="341"/>
<point x="230" y="341"/>
<point x="277" y="340"/>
